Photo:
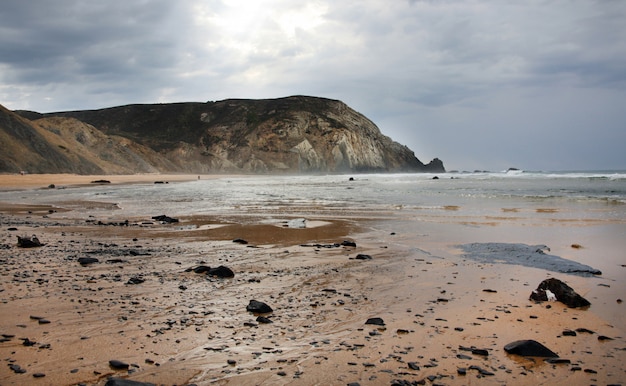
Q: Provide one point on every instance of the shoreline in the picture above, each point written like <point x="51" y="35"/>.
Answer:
<point x="63" y="180"/>
<point x="178" y="327"/>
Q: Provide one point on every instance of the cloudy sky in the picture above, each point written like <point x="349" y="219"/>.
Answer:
<point x="481" y="84"/>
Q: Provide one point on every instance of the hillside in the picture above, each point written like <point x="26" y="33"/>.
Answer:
<point x="287" y="135"/>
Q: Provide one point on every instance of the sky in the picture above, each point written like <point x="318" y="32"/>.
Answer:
<point x="480" y="84"/>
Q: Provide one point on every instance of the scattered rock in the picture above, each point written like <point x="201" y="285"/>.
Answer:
<point x="84" y="261"/>
<point x="413" y="366"/>
<point x="135" y="280"/>
<point x="529" y="348"/>
<point x="264" y="320"/>
<point x="100" y="182"/>
<point x="17" y="369"/>
<point x="126" y="382"/>
<point x="375" y="321"/>
<point x="362" y="256"/>
<point x="563" y="293"/>
<point x="348" y="243"/>
<point x="240" y="241"/>
<point x="568" y="333"/>
<point x="258" y="307"/>
<point x="29" y="242"/>
<point x="557" y="361"/>
<point x="221" y="271"/>
<point x="118" y="365"/>
<point x="480" y="351"/>
<point x="165" y="219"/>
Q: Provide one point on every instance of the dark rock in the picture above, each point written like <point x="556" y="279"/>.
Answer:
<point x="480" y="351"/>
<point x="529" y="348"/>
<point x="118" y="365"/>
<point x="39" y="375"/>
<point x="258" y="307"/>
<point x="199" y="269"/>
<point x="568" y="333"/>
<point x="135" y="280"/>
<point x="240" y="241"/>
<point x="348" y="243"/>
<point x="461" y="371"/>
<point x="603" y="338"/>
<point x="126" y="382"/>
<point x="481" y="370"/>
<point x="165" y="219"/>
<point x="84" y="261"/>
<point x="17" y="369"/>
<point x="362" y="256"/>
<point x="563" y="293"/>
<point x="221" y="271"/>
<point x="375" y="321"/>
<point x="584" y="331"/>
<point x="29" y="242"/>
<point x="557" y="361"/>
<point x="413" y="366"/>
<point x="264" y="320"/>
<point x="101" y="182"/>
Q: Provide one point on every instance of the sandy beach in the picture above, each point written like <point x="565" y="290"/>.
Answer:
<point x="445" y="319"/>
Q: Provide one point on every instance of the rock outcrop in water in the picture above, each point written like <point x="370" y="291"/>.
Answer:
<point x="296" y="134"/>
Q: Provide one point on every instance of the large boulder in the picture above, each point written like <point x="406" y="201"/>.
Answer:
<point x="555" y="289"/>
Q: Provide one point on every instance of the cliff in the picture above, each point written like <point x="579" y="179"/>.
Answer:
<point x="287" y="135"/>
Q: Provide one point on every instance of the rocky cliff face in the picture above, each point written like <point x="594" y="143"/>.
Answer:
<point x="287" y="135"/>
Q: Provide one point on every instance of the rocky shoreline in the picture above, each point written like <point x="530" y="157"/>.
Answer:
<point x="139" y="308"/>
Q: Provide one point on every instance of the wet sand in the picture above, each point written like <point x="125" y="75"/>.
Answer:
<point x="178" y="327"/>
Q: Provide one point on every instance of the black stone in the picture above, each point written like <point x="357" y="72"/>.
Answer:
<point x="568" y="333"/>
<point x="556" y="361"/>
<point x="199" y="269"/>
<point x="362" y="256"/>
<point x="413" y="366"/>
<point x="87" y="260"/>
<point x="480" y="351"/>
<point x="263" y="319"/>
<point x="119" y="365"/>
<point x="126" y="382"/>
<point x="258" y="307"/>
<point x="29" y="242"/>
<point x="564" y="293"/>
<point x="165" y="219"/>
<point x="375" y="321"/>
<point x="348" y="243"/>
<point x="529" y="348"/>
<point x="135" y="280"/>
<point x="240" y="241"/>
<point x="221" y="271"/>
